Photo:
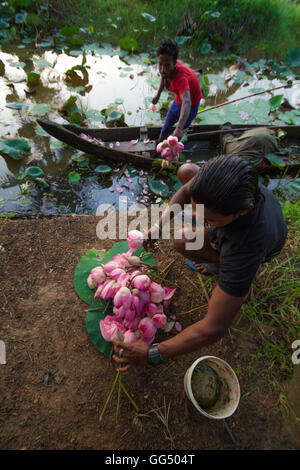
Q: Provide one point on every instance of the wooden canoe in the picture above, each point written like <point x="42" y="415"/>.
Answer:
<point x="118" y="146"/>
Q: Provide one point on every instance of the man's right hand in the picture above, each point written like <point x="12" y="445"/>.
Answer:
<point x="155" y="100"/>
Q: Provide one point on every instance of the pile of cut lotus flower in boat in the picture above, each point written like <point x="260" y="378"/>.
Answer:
<point x="170" y="149"/>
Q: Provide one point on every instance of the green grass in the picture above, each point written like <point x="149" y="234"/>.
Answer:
<point x="257" y="28"/>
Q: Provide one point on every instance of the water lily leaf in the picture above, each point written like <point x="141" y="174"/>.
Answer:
<point x="205" y="48"/>
<point x="33" y="20"/>
<point x="69" y="31"/>
<point x="95" y="115"/>
<point x="275" y="102"/>
<point x="74" y="176"/>
<point x="295" y="184"/>
<point x="41" y="183"/>
<point x="19" y="176"/>
<point x="103" y="169"/>
<point x="92" y="322"/>
<point x="114" y="116"/>
<point x="41" y="132"/>
<point x="16" y="106"/>
<point x="41" y="109"/>
<point x="158" y="187"/>
<point x="275" y="160"/>
<point x="149" y="17"/>
<point x="17" y="64"/>
<point x="128" y="44"/>
<point x="182" y="39"/>
<point x="75" y="53"/>
<point x="293" y="57"/>
<point x="34" y="172"/>
<point x="42" y="63"/>
<point x="14" y="148"/>
<point x="86" y="264"/>
<point x="33" y="78"/>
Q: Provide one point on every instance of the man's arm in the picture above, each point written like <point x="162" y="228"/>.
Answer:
<point x="184" y="113"/>
<point x="222" y="309"/>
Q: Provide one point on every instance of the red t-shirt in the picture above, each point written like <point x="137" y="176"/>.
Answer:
<point x="185" y="79"/>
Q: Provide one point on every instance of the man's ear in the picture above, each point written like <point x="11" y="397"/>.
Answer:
<point x="247" y="209"/>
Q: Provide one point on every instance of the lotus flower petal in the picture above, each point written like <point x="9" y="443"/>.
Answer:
<point x="141" y="282"/>
<point x="98" y="275"/>
<point x="159" y="320"/>
<point x="156" y="292"/>
<point x="172" y="140"/>
<point x="91" y="283"/>
<point x="111" y="329"/>
<point x="147" y="330"/>
<point x="135" y="239"/>
<point x="123" y="298"/>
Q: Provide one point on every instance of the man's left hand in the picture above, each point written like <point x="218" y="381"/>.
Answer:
<point x="134" y="354"/>
<point x="178" y="133"/>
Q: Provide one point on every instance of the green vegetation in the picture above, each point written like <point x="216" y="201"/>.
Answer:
<point x="258" y="28"/>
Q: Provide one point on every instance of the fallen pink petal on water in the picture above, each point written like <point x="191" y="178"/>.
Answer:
<point x="134" y="142"/>
<point x="141" y="173"/>
<point x="131" y="76"/>
<point x="127" y="186"/>
<point x="128" y="178"/>
<point x="112" y="190"/>
<point x="120" y="190"/>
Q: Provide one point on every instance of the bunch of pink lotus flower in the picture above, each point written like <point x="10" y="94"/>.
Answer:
<point x="138" y="301"/>
<point x="170" y="148"/>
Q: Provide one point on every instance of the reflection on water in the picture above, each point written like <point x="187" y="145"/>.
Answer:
<point x="131" y="79"/>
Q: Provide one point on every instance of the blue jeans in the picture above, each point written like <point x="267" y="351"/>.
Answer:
<point x="173" y="117"/>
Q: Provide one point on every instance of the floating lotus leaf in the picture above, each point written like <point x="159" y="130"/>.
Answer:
<point x="103" y="169"/>
<point x="16" y="106"/>
<point x="34" y="172"/>
<point x="158" y="187"/>
<point x="41" y="183"/>
<point x="14" y="148"/>
<point x="41" y="109"/>
<point x="74" y="176"/>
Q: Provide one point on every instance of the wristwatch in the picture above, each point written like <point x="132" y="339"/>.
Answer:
<point x="153" y="355"/>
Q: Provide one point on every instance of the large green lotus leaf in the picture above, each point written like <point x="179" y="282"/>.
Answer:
<point x="290" y="117"/>
<point x="14" y="148"/>
<point x="158" y="187"/>
<point x="275" y="160"/>
<point x="86" y="264"/>
<point x="92" y="321"/>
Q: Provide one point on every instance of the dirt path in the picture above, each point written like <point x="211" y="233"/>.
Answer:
<point x="55" y="382"/>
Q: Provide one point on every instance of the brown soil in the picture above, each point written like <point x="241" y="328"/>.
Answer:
<point x="55" y="382"/>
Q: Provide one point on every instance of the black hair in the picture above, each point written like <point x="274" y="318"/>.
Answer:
<point x="226" y="185"/>
<point x="168" y="47"/>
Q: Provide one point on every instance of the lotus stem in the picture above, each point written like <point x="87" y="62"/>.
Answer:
<point x="119" y="395"/>
<point x="129" y="397"/>
<point x="109" y="397"/>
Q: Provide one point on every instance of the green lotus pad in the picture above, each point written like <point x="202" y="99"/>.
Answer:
<point x="34" y="172"/>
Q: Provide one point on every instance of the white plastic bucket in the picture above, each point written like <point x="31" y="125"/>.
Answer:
<point x="230" y="388"/>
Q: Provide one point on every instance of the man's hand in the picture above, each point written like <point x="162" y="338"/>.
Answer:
<point x="178" y="132"/>
<point x="134" y="354"/>
<point x="155" y="100"/>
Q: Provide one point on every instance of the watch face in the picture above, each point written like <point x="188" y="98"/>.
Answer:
<point x="154" y="356"/>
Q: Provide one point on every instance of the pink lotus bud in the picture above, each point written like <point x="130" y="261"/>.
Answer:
<point x="135" y="239"/>
<point x="159" y="321"/>
<point x="111" y="329"/>
<point x="129" y="315"/>
<point x="122" y="297"/>
<point x="156" y="292"/>
<point x="144" y="296"/>
<point x="137" y="304"/>
<point x="116" y="273"/>
<point x="168" y="294"/>
<point x="172" y="140"/>
<point x="98" y="275"/>
<point x="180" y="146"/>
<point x="134" y="260"/>
<point x="151" y="309"/>
<point x="147" y="330"/>
<point x="91" y="283"/>
<point x="130" y="337"/>
<point x="141" y="282"/>
<point x="159" y="147"/>
<point x="166" y="152"/>
<point x="123" y="280"/>
<point x="110" y="266"/>
<point x="107" y="290"/>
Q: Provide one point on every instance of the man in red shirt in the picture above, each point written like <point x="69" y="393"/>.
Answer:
<point x="180" y="79"/>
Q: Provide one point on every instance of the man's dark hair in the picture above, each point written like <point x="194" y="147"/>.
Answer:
<point x="226" y="185"/>
<point x="168" y="47"/>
